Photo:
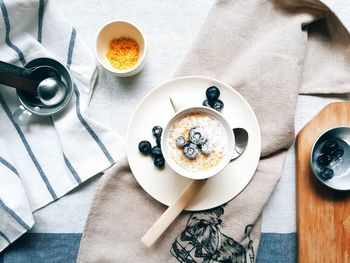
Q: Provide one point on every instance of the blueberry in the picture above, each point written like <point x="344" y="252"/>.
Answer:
<point x="218" y="105"/>
<point x="326" y="173"/>
<point x="212" y="93"/>
<point x="159" y="162"/>
<point x="181" y="141"/>
<point x="205" y="149"/>
<point x="158" y="140"/>
<point x="329" y="146"/>
<point x="337" y="153"/>
<point x="191" y="151"/>
<point x="206" y="103"/>
<point x="156" y="152"/>
<point x="145" y="147"/>
<point x="324" y="159"/>
<point x="197" y="136"/>
<point x="157" y="131"/>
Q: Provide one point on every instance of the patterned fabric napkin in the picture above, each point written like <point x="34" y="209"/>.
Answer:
<point x="269" y="51"/>
<point x="44" y="160"/>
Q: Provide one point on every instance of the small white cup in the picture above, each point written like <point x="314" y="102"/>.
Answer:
<point x="115" y="30"/>
<point x="202" y="174"/>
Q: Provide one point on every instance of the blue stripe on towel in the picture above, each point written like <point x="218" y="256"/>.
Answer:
<point x="89" y="129"/>
<point x="72" y="170"/>
<point x="8" y="28"/>
<point x="5" y="237"/>
<point x="71" y="47"/>
<point x="277" y="248"/>
<point x="40" y="19"/>
<point x="80" y="117"/>
<point x="29" y="150"/>
<point x="14" y="215"/>
<point x="46" y="247"/>
<point x="8" y="165"/>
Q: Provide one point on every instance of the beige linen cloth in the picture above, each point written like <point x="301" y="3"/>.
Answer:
<point x="269" y="51"/>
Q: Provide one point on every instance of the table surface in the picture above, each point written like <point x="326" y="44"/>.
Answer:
<point x="170" y="28"/>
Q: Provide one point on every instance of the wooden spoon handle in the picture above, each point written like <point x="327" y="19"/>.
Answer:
<point x="158" y="228"/>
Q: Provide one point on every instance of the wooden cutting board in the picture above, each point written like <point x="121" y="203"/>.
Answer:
<point x="323" y="215"/>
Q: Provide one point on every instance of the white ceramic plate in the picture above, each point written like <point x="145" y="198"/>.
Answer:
<point x="165" y="185"/>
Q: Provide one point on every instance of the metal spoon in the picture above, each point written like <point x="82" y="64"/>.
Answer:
<point x="44" y="81"/>
<point x="51" y="91"/>
<point x="241" y="137"/>
<point x="190" y="192"/>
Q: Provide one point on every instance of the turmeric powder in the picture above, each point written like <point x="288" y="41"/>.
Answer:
<point x="123" y="53"/>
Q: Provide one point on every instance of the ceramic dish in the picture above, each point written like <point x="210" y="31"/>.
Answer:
<point x="115" y="30"/>
<point x="340" y="166"/>
<point x="165" y="185"/>
<point x="229" y="144"/>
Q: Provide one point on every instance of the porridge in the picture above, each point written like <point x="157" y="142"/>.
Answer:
<point x="197" y="141"/>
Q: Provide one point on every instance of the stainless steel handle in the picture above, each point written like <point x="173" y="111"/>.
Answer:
<point x="22" y="116"/>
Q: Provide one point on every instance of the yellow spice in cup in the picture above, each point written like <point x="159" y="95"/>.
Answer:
<point x="123" y="53"/>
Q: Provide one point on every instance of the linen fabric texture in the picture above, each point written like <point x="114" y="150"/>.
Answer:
<point x="50" y="156"/>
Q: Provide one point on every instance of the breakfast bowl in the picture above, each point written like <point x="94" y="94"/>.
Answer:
<point x="129" y="38"/>
<point x="197" y="142"/>
<point x="330" y="158"/>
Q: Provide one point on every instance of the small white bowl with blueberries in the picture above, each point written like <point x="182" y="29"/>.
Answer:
<point x="155" y="152"/>
<point x="330" y="158"/>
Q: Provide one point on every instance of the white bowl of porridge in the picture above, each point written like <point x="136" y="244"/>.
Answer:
<point x="197" y="142"/>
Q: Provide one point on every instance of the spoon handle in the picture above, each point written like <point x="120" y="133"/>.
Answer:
<point x="158" y="228"/>
<point x="15" y="70"/>
<point x="17" y="77"/>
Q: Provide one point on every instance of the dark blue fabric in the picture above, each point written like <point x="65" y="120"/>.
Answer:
<point x="64" y="247"/>
<point x="277" y="248"/>
<point x="43" y="248"/>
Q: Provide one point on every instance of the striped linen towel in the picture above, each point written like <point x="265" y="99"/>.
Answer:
<point x="41" y="162"/>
